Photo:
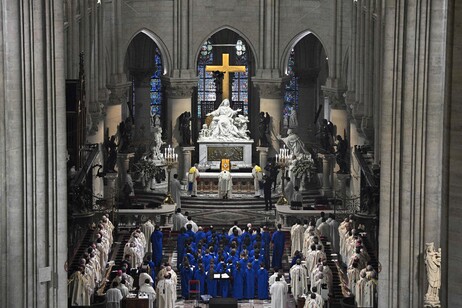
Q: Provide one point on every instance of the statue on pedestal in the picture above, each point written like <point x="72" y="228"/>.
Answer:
<point x="294" y="143"/>
<point x="111" y="150"/>
<point x="185" y="127"/>
<point x="326" y="136"/>
<point x="263" y="128"/>
<point x="341" y="154"/>
<point x="293" y="120"/>
<point x="433" y="265"/>
<point x="156" y="154"/>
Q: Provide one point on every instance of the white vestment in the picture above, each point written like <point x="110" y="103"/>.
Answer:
<point x="166" y="294"/>
<point x="369" y="293"/>
<point x="143" y="277"/>
<point x="175" y="188"/>
<point x="193" y="224"/>
<point x="79" y="289"/>
<point x="179" y="221"/>
<point x="123" y="289"/>
<point x="289" y="190"/>
<point x="324" y="229"/>
<point x="225" y="185"/>
<point x="353" y="277"/>
<point x="147" y="228"/>
<point x="257" y="174"/>
<point x="359" y="293"/>
<point x="278" y="293"/>
<point x="296" y="235"/>
<point x="335" y="239"/>
<point x="193" y="176"/>
<point x="113" y="298"/>
<point x="148" y="289"/>
<point x="298" y="280"/>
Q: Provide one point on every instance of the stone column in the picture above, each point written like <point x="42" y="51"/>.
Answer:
<point x="263" y="156"/>
<point x="143" y="106"/>
<point x="185" y="163"/>
<point x="117" y="97"/>
<point x="123" y="164"/>
<point x="33" y="194"/>
<point x="341" y="184"/>
<point x="328" y="161"/>
<point x="414" y="160"/>
<point x="110" y="188"/>
<point x="179" y="93"/>
<point x="271" y="102"/>
<point x="307" y="105"/>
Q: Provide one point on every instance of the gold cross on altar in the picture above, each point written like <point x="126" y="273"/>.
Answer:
<point x="225" y="68"/>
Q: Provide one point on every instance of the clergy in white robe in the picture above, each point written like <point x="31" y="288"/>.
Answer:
<point x="296" y="235"/>
<point x="149" y="290"/>
<point x="166" y="293"/>
<point x="353" y="277"/>
<point x="179" y="220"/>
<point x="319" y="220"/>
<point x="324" y="229"/>
<point x="278" y="293"/>
<point x="123" y="288"/>
<point x="79" y="288"/>
<point x="360" y="289"/>
<point x="195" y="228"/>
<point x="175" y="188"/>
<point x="369" y="292"/>
<point x="289" y="189"/>
<point x="335" y="239"/>
<point x="225" y="185"/>
<point x="298" y="279"/>
<point x="147" y="228"/>
<point x="113" y="296"/>
<point x="311" y="302"/>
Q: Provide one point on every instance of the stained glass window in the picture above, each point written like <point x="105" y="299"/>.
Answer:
<point x="240" y="83"/>
<point x="291" y="89"/>
<point x="156" y="86"/>
<point x="206" y="88"/>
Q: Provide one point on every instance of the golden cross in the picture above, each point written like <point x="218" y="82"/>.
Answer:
<point x="225" y="68"/>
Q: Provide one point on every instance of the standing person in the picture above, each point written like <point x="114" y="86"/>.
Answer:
<point x="166" y="290"/>
<point x="278" y="240"/>
<point x="262" y="282"/>
<point x="238" y="282"/>
<point x="267" y="193"/>
<point x="156" y="241"/>
<point x="128" y="189"/>
<point x="179" y="220"/>
<point x="175" y="187"/>
<point x="113" y="296"/>
<point x="257" y="175"/>
<point x="278" y="293"/>
<point x="297" y="198"/>
<point x="225" y="185"/>
<point x="193" y="176"/>
<point x="149" y="290"/>
<point x="249" y="278"/>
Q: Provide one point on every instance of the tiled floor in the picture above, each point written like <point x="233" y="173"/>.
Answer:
<point x="242" y="304"/>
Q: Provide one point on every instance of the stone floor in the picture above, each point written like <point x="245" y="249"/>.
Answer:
<point x="256" y="303"/>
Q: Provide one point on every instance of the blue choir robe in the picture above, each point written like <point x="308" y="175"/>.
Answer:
<point x="278" y="248"/>
<point x="243" y="263"/>
<point x="249" y="291"/>
<point x="223" y="284"/>
<point x="152" y="266"/>
<point x="238" y="284"/>
<point x="186" y="275"/>
<point x="191" y="234"/>
<point x="201" y="276"/>
<point x="211" y="285"/>
<point x="180" y="248"/>
<point x="262" y="284"/>
<point x="256" y="264"/>
<point x="200" y="235"/>
<point x="156" y="241"/>
<point x="206" y="261"/>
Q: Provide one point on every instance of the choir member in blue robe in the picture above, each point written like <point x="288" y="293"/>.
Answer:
<point x="256" y="263"/>
<point x="186" y="273"/>
<point x="190" y="232"/>
<point x="200" y="235"/>
<point x="249" y="291"/>
<point x="223" y="284"/>
<point x="181" y="242"/>
<point x="152" y="267"/>
<point x="156" y="241"/>
<point x="238" y="282"/>
<point x="278" y="240"/>
<point x="201" y="276"/>
<point x="206" y="259"/>
<point x="211" y="283"/>
<point x="190" y="256"/>
<point x="262" y="283"/>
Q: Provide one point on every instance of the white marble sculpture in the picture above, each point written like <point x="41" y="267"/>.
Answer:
<point x="294" y="143"/>
<point x="226" y="125"/>
<point x="433" y="265"/>
<point x="156" y="153"/>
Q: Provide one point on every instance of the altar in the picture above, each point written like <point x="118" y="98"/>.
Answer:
<point x="212" y="152"/>
<point x="242" y="182"/>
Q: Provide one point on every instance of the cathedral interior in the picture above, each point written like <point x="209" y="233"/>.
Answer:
<point x="105" y="100"/>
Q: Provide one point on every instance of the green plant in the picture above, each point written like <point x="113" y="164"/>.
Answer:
<point x="147" y="167"/>
<point x="303" y="166"/>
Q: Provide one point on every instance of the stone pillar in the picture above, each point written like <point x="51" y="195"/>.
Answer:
<point x="341" y="184"/>
<point x="263" y="156"/>
<point x="185" y="163"/>
<point x="33" y="194"/>
<point x="328" y="161"/>
<point x="123" y="164"/>
<point x="117" y="97"/>
<point x="356" y="139"/>
<point x="110" y="188"/>
<point x="271" y="102"/>
<point x="179" y="93"/>
<point x="414" y="184"/>
<point x="307" y="105"/>
<point x="143" y="106"/>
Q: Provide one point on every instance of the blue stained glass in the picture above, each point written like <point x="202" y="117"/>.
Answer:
<point x="291" y="88"/>
<point x="156" y="85"/>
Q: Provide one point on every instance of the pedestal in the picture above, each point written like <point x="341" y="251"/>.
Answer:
<point x="341" y="184"/>
<point x="328" y="161"/>
<point x="238" y="152"/>
<point x="110" y="188"/>
<point x="186" y="163"/>
<point x="123" y="164"/>
<point x="263" y="156"/>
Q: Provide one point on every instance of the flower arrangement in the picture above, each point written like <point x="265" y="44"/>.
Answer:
<point x="303" y="165"/>
<point x="147" y="167"/>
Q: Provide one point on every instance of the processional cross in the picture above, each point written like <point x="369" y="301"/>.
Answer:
<point x="225" y="68"/>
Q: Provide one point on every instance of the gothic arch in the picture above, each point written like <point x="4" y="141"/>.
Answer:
<point x="292" y="43"/>
<point x="246" y="38"/>
<point x="166" y="58"/>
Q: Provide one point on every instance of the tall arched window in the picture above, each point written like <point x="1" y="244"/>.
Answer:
<point x="206" y="88"/>
<point x="291" y="89"/>
<point x="156" y="86"/>
<point x="240" y="85"/>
